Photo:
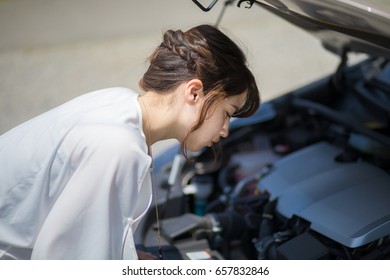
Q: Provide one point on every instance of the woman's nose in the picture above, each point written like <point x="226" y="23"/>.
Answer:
<point x="225" y="129"/>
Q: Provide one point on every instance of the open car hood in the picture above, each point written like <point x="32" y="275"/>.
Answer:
<point x="355" y="25"/>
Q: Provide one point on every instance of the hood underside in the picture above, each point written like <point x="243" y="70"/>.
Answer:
<point x="342" y="25"/>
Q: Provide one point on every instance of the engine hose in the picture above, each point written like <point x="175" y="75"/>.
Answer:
<point x="266" y="225"/>
<point x="339" y="118"/>
<point x="264" y="248"/>
<point x="231" y="225"/>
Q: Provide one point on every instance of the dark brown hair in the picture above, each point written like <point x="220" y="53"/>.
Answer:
<point x="205" y="53"/>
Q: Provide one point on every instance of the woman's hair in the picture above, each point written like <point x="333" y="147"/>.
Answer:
<point x="205" y="53"/>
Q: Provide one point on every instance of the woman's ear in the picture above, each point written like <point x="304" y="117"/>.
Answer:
<point x="193" y="91"/>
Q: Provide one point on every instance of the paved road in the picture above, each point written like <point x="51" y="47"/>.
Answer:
<point x="54" y="50"/>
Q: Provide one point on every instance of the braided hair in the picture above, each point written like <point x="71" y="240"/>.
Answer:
<point x="205" y="53"/>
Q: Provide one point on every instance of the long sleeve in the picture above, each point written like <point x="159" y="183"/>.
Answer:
<point x="89" y="218"/>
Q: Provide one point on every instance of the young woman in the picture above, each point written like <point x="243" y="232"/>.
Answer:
<point x="74" y="181"/>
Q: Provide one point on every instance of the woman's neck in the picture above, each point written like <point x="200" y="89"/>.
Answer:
<point x="158" y="117"/>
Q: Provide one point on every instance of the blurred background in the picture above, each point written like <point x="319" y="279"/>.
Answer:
<point x="54" y="50"/>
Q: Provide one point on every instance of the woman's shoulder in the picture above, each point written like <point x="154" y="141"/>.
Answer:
<point x="104" y="142"/>
<point x="110" y="136"/>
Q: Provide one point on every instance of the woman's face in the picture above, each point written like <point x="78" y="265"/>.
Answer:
<point x="216" y="124"/>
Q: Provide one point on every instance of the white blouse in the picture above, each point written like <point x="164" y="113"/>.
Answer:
<point x="75" y="181"/>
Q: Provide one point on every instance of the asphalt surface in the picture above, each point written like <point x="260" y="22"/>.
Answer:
<point x="52" y="50"/>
